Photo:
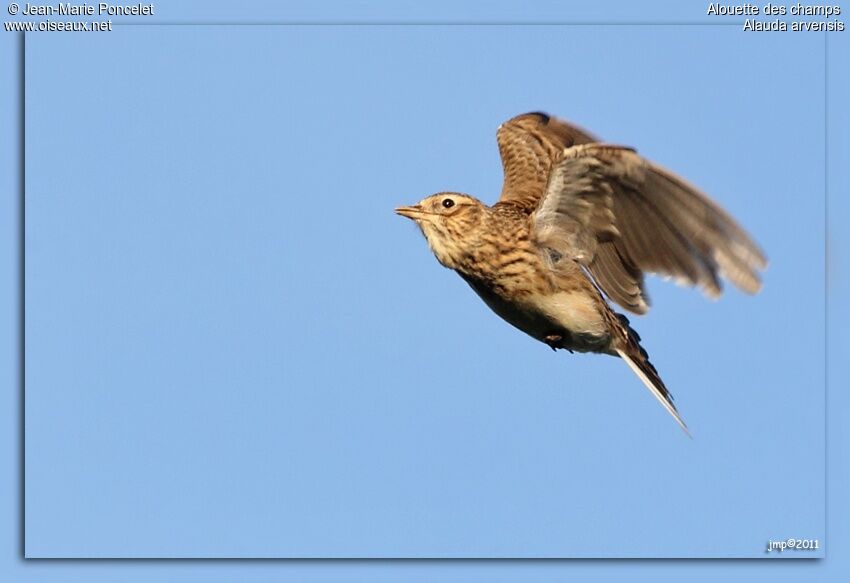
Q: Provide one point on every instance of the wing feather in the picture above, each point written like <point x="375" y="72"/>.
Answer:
<point x="529" y="144"/>
<point x="621" y="216"/>
<point x="622" y="281"/>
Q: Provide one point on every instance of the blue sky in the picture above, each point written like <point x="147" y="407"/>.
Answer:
<point x="234" y="348"/>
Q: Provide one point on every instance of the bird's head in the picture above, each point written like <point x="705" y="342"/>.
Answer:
<point x="449" y="221"/>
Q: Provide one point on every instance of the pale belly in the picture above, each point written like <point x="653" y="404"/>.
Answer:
<point x="571" y="315"/>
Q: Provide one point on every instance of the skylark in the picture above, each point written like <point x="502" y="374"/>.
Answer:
<point x="577" y="221"/>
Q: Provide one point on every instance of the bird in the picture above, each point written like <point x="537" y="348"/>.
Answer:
<point x="578" y="224"/>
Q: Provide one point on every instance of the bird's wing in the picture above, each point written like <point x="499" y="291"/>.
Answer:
<point x="529" y="144"/>
<point x="619" y="216"/>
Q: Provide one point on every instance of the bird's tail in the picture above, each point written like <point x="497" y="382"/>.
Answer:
<point x="632" y="352"/>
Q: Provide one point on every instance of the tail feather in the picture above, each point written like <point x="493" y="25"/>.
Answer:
<point x="637" y="359"/>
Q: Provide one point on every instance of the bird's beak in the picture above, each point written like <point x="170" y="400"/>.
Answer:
<point x="411" y="212"/>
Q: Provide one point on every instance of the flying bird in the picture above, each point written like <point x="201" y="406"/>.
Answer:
<point x="578" y="224"/>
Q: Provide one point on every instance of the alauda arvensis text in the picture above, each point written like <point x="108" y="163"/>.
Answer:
<point x="579" y="220"/>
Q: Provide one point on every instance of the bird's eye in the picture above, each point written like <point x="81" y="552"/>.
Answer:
<point x="448" y="203"/>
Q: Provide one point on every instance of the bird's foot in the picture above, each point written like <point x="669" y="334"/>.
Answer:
<point x="553" y="340"/>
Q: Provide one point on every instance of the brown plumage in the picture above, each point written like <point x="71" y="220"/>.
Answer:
<point x="577" y="219"/>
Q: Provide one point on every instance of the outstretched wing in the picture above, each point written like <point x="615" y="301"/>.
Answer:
<point x="529" y="145"/>
<point x="620" y="216"/>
